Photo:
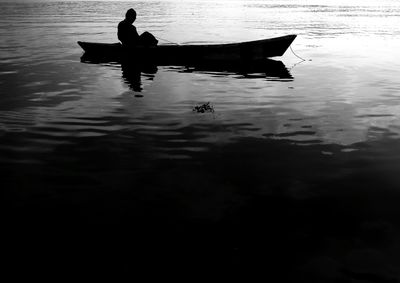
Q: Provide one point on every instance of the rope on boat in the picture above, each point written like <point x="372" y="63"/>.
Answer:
<point x="166" y="40"/>
<point x="296" y="54"/>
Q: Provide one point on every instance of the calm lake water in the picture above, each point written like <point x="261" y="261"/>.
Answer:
<point x="295" y="175"/>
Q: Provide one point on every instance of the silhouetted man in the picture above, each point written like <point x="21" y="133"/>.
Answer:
<point x="128" y="34"/>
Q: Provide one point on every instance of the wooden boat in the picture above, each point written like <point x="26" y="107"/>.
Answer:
<point x="250" y="50"/>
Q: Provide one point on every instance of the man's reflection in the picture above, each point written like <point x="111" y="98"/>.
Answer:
<point x="132" y="74"/>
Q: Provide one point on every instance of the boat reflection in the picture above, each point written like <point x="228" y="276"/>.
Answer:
<point x="265" y="68"/>
<point x="132" y="71"/>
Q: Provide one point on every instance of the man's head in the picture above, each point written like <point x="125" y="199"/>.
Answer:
<point x="130" y="15"/>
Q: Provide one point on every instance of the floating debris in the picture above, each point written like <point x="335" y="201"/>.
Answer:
<point x="206" y="107"/>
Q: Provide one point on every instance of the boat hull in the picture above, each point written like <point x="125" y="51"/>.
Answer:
<point x="251" y="50"/>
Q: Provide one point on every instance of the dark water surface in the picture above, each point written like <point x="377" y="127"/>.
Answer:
<point x="294" y="177"/>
